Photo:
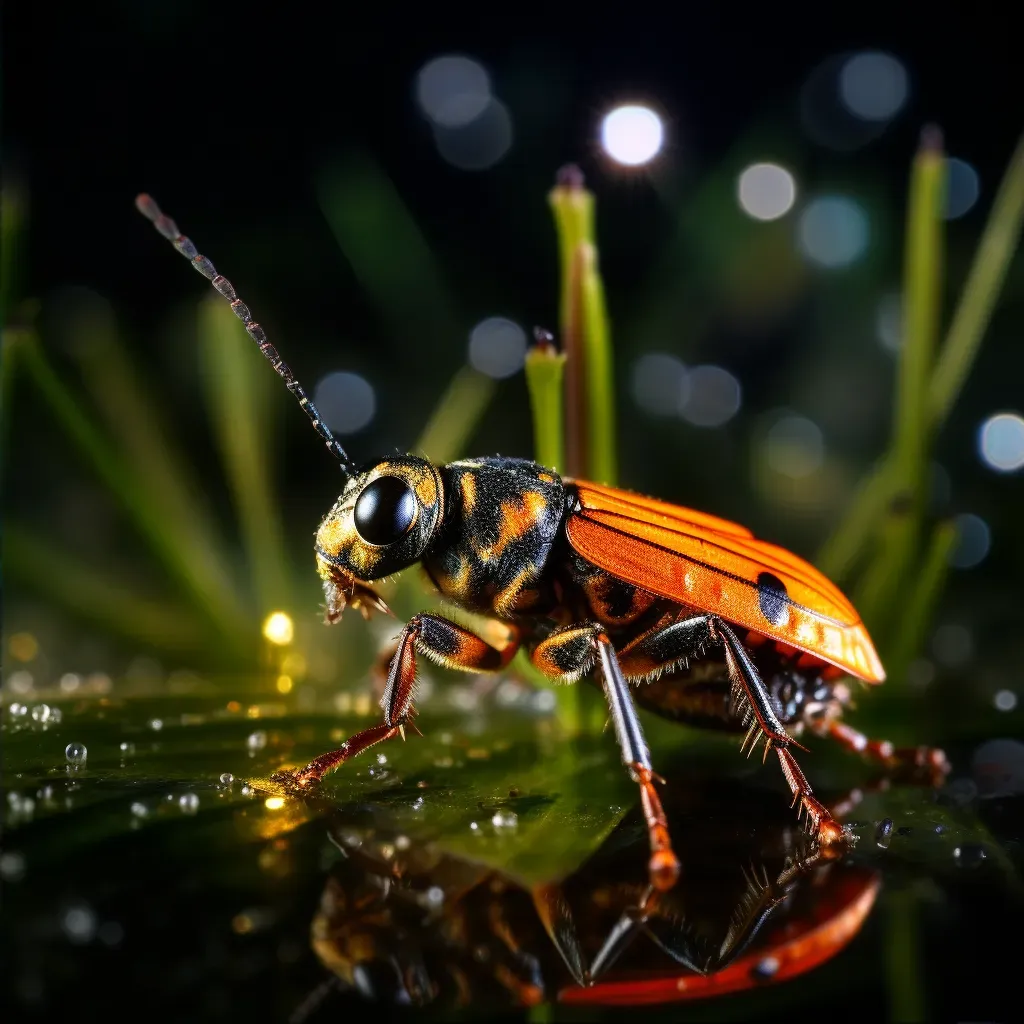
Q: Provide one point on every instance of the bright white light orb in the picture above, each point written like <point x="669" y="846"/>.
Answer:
<point x="660" y="384"/>
<point x="346" y="402"/>
<point x="962" y="187"/>
<point x="632" y="135"/>
<point x="873" y="86"/>
<point x="1001" y="442"/>
<point x="497" y="347"/>
<point x="766" y="191"/>
<point x="453" y="90"/>
<point x="833" y="231"/>
<point x="713" y="399"/>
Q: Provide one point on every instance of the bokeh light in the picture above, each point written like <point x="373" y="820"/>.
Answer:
<point x="453" y="90"/>
<point x="497" y="347"/>
<point x="889" y="321"/>
<point x="873" y="85"/>
<point x="833" y="231"/>
<point x="1004" y="700"/>
<point x="766" y="191"/>
<point x="1001" y="442"/>
<point x="973" y="541"/>
<point x="278" y="628"/>
<point x="963" y="187"/>
<point x="714" y="397"/>
<point x="632" y="135"/>
<point x="346" y="401"/>
<point x="952" y="644"/>
<point x="477" y="144"/>
<point x="660" y="384"/>
<point x="795" y="446"/>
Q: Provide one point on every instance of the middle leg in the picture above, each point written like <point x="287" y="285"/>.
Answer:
<point x="568" y="655"/>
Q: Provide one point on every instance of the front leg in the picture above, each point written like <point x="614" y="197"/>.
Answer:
<point x="568" y="655"/>
<point x="440" y="640"/>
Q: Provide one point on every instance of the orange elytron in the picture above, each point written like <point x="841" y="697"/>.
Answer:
<point x="681" y="612"/>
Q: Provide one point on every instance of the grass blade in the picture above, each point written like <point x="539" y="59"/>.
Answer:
<point x="456" y="416"/>
<point x="238" y="399"/>
<point x="93" y="595"/>
<point x="545" y="371"/>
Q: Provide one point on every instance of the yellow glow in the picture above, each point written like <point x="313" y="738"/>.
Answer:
<point x="278" y="628"/>
<point x="274" y="803"/>
<point x="23" y="646"/>
<point x="284" y="684"/>
<point x="294" y="665"/>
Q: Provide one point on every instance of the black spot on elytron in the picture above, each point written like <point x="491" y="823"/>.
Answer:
<point x="773" y="598"/>
<point x="385" y="510"/>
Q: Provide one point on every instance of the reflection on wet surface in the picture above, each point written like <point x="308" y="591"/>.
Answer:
<point x="756" y="904"/>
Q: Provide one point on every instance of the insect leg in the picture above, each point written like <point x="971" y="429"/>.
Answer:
<point x="753" y="699"/>
<point x="569" y="654"/>
<point x="442" y="642"/>
<point x="924" y="764"/>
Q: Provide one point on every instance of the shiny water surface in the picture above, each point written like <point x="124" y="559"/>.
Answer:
<point x="149" y="864"/>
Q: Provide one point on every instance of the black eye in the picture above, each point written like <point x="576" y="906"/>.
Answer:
<point x="385" y="510"/>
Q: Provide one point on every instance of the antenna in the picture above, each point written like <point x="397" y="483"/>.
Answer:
<point x="147" y="206"/>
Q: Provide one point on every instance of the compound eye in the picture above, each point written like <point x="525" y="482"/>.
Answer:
<point x="385" y="511"/>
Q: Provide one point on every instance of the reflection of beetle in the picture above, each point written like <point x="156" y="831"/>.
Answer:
<point x="755" y="905"/>
<point x="589" y="578"/>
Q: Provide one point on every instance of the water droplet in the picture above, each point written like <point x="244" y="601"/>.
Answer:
<point x="970" y="855"/>
<point x="246" y="790"/>
<point x="127" y="747"/>
<point x="76" y="754"/>
<point x="17" y="710"/>
<point x="765" y="968"/>
<point x="55" y="716"/>
<point x="79" y="923"/>
<point x="474" y="826"/>
<point x="382" y="759"/>
<point x="139" y="810"/>
<point x="504" y="821"/>
<point x="434" y="896"/>
<point x="156" y="724"/>
<point x="256" y="741"/>
<point x="227" y="779"/>
<point x="417" y="804"/>
<point x="189" y="803"/>
<point x="883" y="833"/>
<point x="41" y="713"/>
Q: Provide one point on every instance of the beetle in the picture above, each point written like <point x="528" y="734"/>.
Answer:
<point x="691" y="614"/>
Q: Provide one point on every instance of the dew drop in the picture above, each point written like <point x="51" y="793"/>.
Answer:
<point x="156" y="724"/>
<point x="970" y="855"/>
<point x="76" y="754"/>
<point x="139" y="809"/>
<point x="17" y="710"/>
<point x="434" y="896"/>
<point x="505" y="821"/>
<point x="883" y="833"/>
<point x="256" y="741"/>
<point x="189" y="803"/>
<point x="41" y="713"/>
<point x="227" y="779"/>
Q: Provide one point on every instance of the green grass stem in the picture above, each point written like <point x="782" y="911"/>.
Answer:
<point x="902" y="948"/>
<point x="456" y="416"/>
<point x="843" y="550"/>
<point x="388" y="252"/>
<point x="590" y="449"/>
<point x="214" y="596"/>
<point x="900" y="527"/>
<point x="545" y="372"/>
<point x="239" y="399"/>
<point x="96" y="596"/>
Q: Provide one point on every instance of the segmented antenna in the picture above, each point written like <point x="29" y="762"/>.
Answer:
<point x="147" y="206"/>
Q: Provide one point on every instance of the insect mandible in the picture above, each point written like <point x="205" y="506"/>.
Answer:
<point x="678" y="611"/>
